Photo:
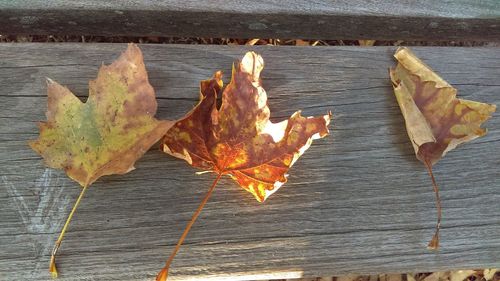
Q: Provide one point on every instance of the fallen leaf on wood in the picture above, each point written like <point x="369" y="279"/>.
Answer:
<point x="238" y="139"/>
<point x="436" y="121"/>
<point x="106" y="134"/>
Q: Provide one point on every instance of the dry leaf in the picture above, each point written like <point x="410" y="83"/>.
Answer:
<point x="106" y="134"/>
<point x="461" y="275"/>
<point x="366" y="42"/>
<point x="438" y="276"/>
<point x="436" y="121"/>
<point x="252" y="42"/>
<point x="393" y="277"/>
<point x="300" y="42"/>
<point x="238" y="139"/>
<point x="348" y="277"/>
<point x="489" y="274"/>
<point x="109" y="132"/>
<point x="409" y="277"/>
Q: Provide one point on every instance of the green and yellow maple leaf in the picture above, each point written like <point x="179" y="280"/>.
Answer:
<point x="106" y="134"/>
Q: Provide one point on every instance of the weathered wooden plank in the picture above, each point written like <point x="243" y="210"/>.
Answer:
<point x="357" y="202"/>
<point x="322" y="19"/>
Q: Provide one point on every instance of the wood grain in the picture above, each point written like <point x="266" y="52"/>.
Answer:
<point x="357" y="202"/>
<point x="321" y="19"/>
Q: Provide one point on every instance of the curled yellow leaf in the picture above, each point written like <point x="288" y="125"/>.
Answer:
<point x="436" y="120"/>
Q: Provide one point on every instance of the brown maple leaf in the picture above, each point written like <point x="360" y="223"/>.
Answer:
<point x="238" y="139"/>
<point x="104" y="135"/>
<point x="436" y="121"/>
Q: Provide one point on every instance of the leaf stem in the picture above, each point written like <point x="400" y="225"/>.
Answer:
<point x="52" y="266"/>
<point x="434" y="243"/>
<point x="163" y="274"/>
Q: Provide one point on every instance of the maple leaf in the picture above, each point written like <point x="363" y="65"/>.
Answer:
<point x="238" y="139"/>
<point x="104" y="135"/>
<point x="436" y="121"/>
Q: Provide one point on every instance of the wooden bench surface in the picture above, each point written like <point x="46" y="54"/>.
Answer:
<point x="320" y="19"/>
<point x="357" y="202"/>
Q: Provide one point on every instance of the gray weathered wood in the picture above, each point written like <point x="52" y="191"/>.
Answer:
<point x="357" y="202"/>
<point x="322" y="19"/>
